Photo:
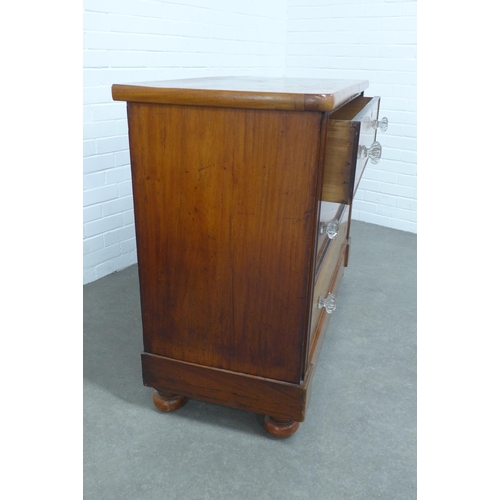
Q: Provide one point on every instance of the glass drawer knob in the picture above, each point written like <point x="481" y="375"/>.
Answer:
<point x="331" y="229"/>
<point x="329" y="303"/>
<point x="381" y="124"/>
<point x="374" y="152"/>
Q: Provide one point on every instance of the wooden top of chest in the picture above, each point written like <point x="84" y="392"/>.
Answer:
<point x="297" y="94"/>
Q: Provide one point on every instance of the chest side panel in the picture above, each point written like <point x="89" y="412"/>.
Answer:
<point x="225" y="210"/>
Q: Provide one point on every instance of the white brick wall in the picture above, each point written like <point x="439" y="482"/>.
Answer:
<point x="141" y="40"/>
<point x="373" y="40"/>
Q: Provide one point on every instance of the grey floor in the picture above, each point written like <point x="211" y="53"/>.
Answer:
<point x="359" y="437"/>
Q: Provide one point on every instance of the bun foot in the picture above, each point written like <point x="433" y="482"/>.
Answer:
<point x="168" y="402"/>
<point x="280" y="428"/>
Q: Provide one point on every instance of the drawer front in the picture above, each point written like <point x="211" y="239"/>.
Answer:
<point x="321" y="317"/>
<point x="328" y="262"/>
<point x="351" y="133"/>
<point x="331" y="217"/>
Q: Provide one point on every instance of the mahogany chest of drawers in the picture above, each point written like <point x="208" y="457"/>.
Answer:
<point x="242" y="199"/>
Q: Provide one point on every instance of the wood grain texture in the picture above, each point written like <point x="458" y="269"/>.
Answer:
<point x="237" y="390"/>
<point x="353" y="110"/>
<point x="329" y="212"/>
<point x="226" y="221"/>
<point x="348" y="128"/>
<point x="228" y="178"/>
<point x="330" y="261"/>
<point x="367" y="134"/>
<point x="340" y="161"/>
<point x="318" y="332"/>
<point x="294" y="94"/>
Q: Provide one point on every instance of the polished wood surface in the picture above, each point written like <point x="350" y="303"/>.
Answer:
<point x="340" y="161"/>
<point x="327" y="269"/>
<point x="225" y="215"/>
<point x="231" y="179"/>
<point x="294" y="94"/>
<point x="348" y="128"/>
<point x="328" y="211"/>
<point x="367" y="134"/>
<point x="168" y="402"/>
<point x="237" y="390"/>
<point x="323" y="319"/>
<point x="354" y="110"/>
<point x="280" y="428"/>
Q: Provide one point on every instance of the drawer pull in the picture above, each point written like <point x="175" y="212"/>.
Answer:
<point x="331" y="229"/>
<point x="381" y="124"/>
<point x="374" y="152"/>
<point x="329" y="303"/>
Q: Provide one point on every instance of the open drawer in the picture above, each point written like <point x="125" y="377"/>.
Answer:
<point x="350" y="142"/>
